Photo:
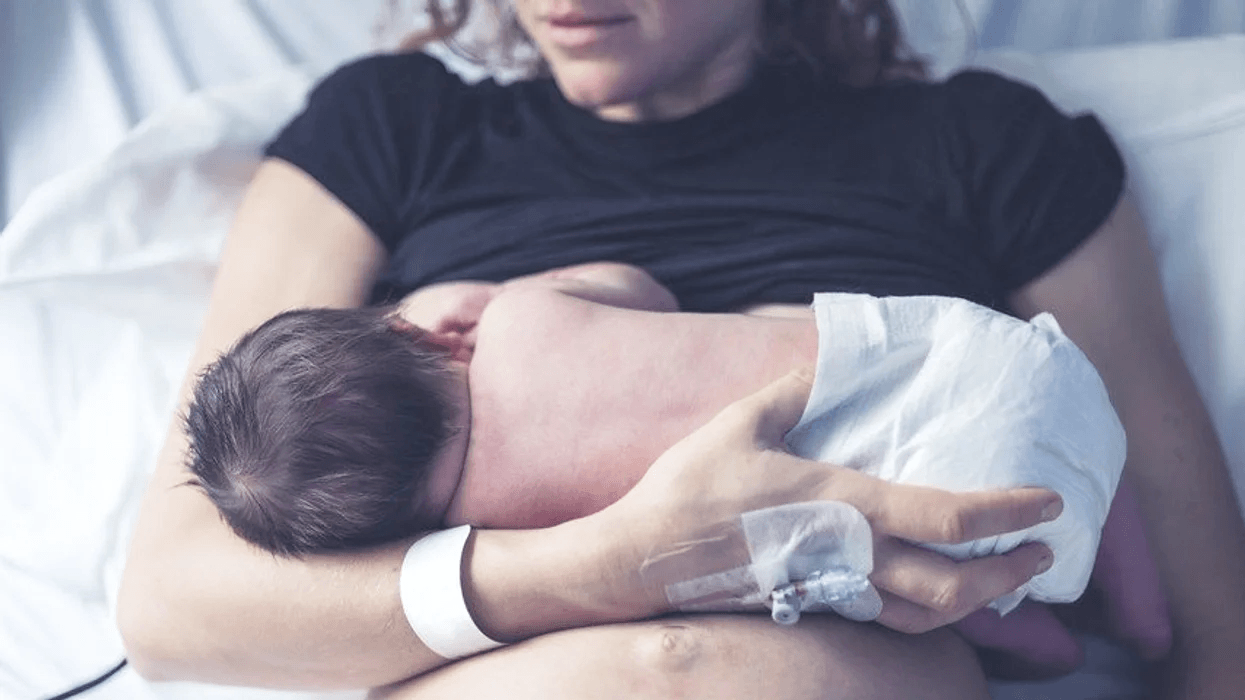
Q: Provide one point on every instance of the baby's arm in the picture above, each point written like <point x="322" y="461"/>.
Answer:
<point x="609" y="283"/>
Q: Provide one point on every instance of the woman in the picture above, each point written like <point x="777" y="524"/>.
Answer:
<point x="660" y="118"/>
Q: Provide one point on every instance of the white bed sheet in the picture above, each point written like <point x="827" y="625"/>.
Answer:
<point x="103" y="277"/>
<point x="105" y="270"/>
<point x="78" y="75"/>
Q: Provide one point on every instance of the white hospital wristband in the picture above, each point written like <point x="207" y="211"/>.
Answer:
<point x="431" y="588"/>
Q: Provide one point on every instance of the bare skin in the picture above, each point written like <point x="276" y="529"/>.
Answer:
<point x="521" y="469"/>
<point x="196" y="603"/>
<point x="535" y="345"/>
<point x="560" y="351"/>
<point x="1196" y="652"/>
<point x="572" y="367"/>
<point x="199" y="603"/>
<point x="573" y="381"/>
<point x="731" y="657"/>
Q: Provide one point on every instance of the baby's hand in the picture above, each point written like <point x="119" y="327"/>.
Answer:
<point x="452" y="308"/>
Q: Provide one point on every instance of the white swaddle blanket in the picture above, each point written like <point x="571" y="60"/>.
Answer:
<point x="941" y="392"/>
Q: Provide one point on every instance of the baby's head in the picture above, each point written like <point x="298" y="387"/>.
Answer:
<point x="318" y="430"/>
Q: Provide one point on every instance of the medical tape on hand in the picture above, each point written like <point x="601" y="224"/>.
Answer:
<point x="813" y="556"/>
<point x="430" y="586"/>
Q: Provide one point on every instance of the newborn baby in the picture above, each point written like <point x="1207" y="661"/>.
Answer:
<point x="546" y="398"/>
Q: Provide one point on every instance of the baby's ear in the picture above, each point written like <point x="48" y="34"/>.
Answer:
<point x="398" y="324"/>
<point x="455" y="344"/>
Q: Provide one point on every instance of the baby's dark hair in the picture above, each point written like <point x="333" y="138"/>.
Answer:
<point x="317" y="430"/>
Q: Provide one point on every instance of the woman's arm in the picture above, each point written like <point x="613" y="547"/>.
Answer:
<point x="195" y="601"/>
<point x="198" y="603"/>
<point x="1108" y="299"/>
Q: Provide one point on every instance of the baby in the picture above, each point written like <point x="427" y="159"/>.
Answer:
<point x="544" y="399"/>
<point x="330" y="429"/>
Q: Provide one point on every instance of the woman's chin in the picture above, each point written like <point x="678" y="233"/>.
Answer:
<point x="597" y="88"/>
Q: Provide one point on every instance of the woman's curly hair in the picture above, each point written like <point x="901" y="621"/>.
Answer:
<point x="858" y="42"/>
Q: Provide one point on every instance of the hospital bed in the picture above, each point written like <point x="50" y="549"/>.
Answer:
<point x="129" y="128"/>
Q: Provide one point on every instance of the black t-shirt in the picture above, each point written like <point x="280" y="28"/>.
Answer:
<point x="970" y="187"/>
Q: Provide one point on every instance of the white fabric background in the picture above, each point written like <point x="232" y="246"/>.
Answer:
<point x="105" y="265"/>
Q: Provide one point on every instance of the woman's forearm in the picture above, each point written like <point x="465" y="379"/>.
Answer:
<point x="200" y="604"/>
<point x="197" y="602"/>
<point x="523" y="583"/>
<point x="1193" y="522"/>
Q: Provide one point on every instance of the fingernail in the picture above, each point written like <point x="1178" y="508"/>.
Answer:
<point x="1044" y="564"/>
<point x="1052" y="510"/>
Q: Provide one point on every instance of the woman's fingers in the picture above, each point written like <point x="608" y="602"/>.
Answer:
<point x="934" y="516"/>
<point x="923" y="590"/>
<point x="774" y="410"/>
<point x="913" y="513"/>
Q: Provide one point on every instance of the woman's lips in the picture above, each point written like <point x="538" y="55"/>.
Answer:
<point x="577" y="31"/>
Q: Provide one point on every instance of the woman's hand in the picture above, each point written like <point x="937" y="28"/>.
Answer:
<point x="736" y="463"/>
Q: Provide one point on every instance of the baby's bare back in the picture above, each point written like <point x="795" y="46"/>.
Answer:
<point x="572" y="400"/>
